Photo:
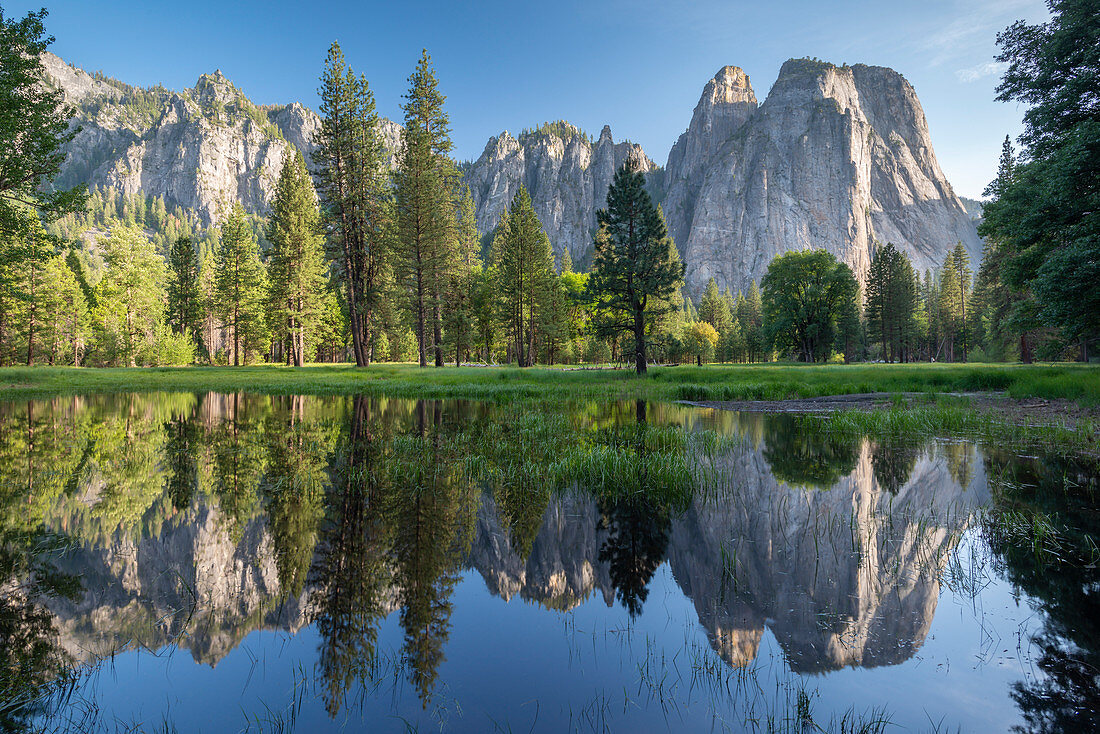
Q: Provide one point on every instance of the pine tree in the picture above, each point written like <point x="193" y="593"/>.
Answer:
<point x="749" y="313"/>
<point x="425" y="188"/>
<point x="296" y="267"/>
<point x="352" y="183"/>
<point x="184" y="311"/>
<point x="459" y="317"/>
<point x="634" y="266"/>
<point x="240" y="286"/>
<point x="524" y="266"/>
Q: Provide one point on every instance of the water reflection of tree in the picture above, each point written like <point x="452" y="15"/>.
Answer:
<point x="1045" y="528"/>
<point x="892" y="463"/>
<point x="432" y="514"/>
<point x="298" y="449"/>
<point x="42" y="454"/>
<point x="181" y="476"/>
<point x="350" y="573"/>
<point x="637" y="527"/>
<point x="807" y="458"/>
<point x="239" y="458"/>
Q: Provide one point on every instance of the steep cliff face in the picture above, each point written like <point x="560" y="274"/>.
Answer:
<point x="566" y="173"/>
<point x="836" y="158"/>
<point x="202" y="149"/>
<point x="727" y="102"/>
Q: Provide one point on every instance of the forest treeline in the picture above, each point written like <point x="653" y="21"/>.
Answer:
<point x="356" y="262"/>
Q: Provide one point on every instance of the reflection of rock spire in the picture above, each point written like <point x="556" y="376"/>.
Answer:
<point x="847" y="575"/>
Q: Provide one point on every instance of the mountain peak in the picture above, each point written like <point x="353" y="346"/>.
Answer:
<point x="730" y="85"/>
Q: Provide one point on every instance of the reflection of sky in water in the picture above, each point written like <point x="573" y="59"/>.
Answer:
<point x="803" y="561"/>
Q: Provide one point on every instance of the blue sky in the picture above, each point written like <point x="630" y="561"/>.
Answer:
<point x="638" y="66"/>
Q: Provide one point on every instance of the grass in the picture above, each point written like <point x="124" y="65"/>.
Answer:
<point x="1080" y="383"/>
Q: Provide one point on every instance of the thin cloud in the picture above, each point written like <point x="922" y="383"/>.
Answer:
<point x="980" y="71"/>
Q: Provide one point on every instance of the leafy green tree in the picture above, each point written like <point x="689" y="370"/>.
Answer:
<point x="805" y="295"/>
<point x="185" y="306"/>
<point x="296" y="269"/>
<point x="425" y="194"/>
<point x="353" y="186"/>
<point x="240" y="286"/>
<point x="702" y="339"/>
<point x="635" y="269"/>
<point x="524" y="268"/>
<point x="713" y="308"/>
<point x="130" y="302"/>
<point x="1044" y="217"/>
<point x="34" y="128"/>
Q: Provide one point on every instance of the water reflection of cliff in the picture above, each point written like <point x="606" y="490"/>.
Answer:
<point x="843" y="576"/>
<point x="195" y="520"/>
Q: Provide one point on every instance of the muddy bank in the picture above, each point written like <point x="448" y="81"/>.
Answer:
<point x="1022" y="411"/>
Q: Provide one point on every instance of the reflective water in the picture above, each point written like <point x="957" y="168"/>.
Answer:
<point x="237" y="562"/>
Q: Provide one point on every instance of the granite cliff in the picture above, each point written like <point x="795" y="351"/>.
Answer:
<point x="201" y="149"/>
<point x="836" y="157"/>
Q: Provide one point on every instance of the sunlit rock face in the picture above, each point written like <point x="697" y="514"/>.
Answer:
<point x="836" y="158"/>
<point x="202" y="149"/>
<point x="843" y="575"/>
<point x="565" y="172"/>
<point x="201" y="583"/>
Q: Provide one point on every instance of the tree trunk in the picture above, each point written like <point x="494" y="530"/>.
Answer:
<point x="639" y="341"/>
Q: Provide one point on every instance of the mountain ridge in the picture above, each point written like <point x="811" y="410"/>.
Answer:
<point x="835" y="157"/>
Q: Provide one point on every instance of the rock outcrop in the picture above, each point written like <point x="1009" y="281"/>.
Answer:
<point x="836" y="158"/>
<point x="566" y="173"/>
<point x="202" y="149"/>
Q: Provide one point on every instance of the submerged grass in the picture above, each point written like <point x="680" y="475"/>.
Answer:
<point x="956" y="419"/>
<point x="775" y="381"/>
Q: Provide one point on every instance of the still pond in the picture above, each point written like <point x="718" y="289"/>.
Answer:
<point x="182" y="562"/>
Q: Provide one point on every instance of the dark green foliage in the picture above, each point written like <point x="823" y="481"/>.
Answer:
<point x="891" y="304"/>
<point x="296" y="269"/>
<point x="1044" y="216"/>
<point x="426" y="193"/>
<point x="523" y="265"/>
<point x="185" y="306"/>
<point x="807" y="298"/>
<point x="33" y="128"/>
<point x="351" y="181"/>
<point x="635" y="269"/>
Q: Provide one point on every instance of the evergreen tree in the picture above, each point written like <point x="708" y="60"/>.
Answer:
<point x="352" y="183"/>
<point x="891" y="302"/>
<point x="750" y="315"/>
<point x="34" y="128"/>
<point x="1044" y="217"/>
<point x="185" y="312"/>
<point x="296" y="267"/>
<point x="634" y="268"/>
<point x="240" y="286"/>
<point x="425" y="184"/>
<point x="524" y="268"/>
<point x="459" y="317"/>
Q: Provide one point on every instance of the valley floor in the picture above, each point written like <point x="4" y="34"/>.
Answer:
<point x="1057" y="405"/>
<point x="1076" y="383"/>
